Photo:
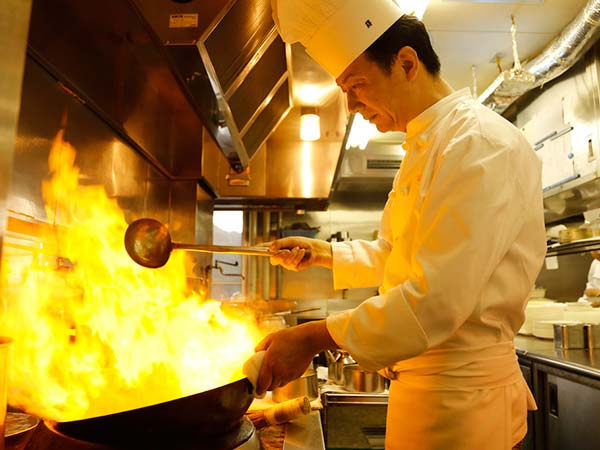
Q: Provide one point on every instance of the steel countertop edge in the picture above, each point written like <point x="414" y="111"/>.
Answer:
<point x="584" y="362"/>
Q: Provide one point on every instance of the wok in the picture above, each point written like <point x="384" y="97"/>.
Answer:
<point x="208" y="413"/>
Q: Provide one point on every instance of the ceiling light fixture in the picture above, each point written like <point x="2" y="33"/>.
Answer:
<point x="310" y="123"/>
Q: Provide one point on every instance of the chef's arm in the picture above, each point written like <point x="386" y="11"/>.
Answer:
<point x="298" y="253"/>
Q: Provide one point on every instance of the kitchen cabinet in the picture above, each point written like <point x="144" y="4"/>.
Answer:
<point x="354" y="420"/>
<point x="566" y="387"/>
<point x="570" y="414"/>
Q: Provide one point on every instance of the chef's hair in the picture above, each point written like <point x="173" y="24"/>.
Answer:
<point x="406" y="31"/>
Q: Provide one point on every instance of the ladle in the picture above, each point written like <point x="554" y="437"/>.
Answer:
<point x="149" y="244"/>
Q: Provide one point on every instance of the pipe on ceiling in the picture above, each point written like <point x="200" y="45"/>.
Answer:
<point x="560" y="55"/>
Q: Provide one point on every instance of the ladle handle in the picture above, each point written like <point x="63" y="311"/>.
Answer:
<point x="224" y="249"/>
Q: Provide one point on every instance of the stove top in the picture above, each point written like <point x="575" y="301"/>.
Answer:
<point x="243" y="437"/>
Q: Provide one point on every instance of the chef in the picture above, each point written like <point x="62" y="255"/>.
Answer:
<point x="461" y="239"/>
<point x="591" y="294"/>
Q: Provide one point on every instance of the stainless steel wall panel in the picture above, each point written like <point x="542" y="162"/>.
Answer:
<point x="301" y="169"/>
<point x="182" y="219"/>
<point x="14" y="25"/>
<point x="105" y="54"/>
<point x="575" y="97"/>
<point x="103" y="158"/>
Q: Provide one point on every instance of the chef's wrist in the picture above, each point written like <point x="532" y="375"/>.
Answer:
<point x="323" y="254"/>
<point x="317" y="336"/>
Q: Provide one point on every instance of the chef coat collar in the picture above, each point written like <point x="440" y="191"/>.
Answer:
<point x="416" y="129"/>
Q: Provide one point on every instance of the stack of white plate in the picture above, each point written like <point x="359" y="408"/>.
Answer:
<point x="582" y="312"/>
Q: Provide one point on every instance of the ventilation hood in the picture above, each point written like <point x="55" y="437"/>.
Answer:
<point x="233" y="63"/>
<point x="160" y="72"/>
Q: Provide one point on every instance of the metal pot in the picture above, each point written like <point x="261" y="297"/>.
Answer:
<point x="336" y="361"/>
<point x="357" y="379"/>
<point x="305" y="386"/>
<point x="211" y="412"/>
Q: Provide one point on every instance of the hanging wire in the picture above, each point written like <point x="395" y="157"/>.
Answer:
<point x="513" y="30"/>
<point x="474" y="76"/>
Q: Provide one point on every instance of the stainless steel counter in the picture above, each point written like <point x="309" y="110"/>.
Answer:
<point x="305" y="433"/>
<point x="584" y="362"/>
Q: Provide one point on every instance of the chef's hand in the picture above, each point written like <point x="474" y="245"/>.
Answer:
<point x="592" y="292"/>
<point x="288" y="352"/>
<point x="298" y="253"/>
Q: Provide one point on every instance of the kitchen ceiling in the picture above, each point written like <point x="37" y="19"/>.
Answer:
<point x="468" y="35"/>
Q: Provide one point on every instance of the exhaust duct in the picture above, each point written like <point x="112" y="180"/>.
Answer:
<point x="560" y="55"/>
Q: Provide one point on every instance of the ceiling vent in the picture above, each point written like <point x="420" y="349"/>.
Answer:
<point x="383" y="164"/>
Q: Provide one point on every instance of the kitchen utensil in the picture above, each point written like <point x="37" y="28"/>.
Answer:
<point x="207" y="413"/>
<point x="358" y="379"/>
<point x="336" y="360"/>
<point x="295" y="311"/>
<point x="305" y="386"/>
<point x="281" y="413"/>
<point x="19" y="427"/>
<point x="568" y="335"/>
<point x="149" y="244"/>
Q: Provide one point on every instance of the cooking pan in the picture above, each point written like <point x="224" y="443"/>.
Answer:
<point x="208" y="413"/>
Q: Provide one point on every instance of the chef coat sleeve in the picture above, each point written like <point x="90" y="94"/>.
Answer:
<point x="360" y="263"/>
<point x="472" y="207"/>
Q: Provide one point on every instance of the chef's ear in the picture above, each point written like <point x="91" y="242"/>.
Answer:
<point x="408" y="60"/>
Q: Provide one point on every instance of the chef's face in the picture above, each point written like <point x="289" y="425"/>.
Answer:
<point x="595" y="254"/>
<point x="376" y="94"/>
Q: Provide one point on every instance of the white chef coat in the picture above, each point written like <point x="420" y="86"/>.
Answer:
<point x="461" y="242"/>
<point x="593" y="280"/>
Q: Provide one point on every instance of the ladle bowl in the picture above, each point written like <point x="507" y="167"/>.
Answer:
<point x="149" y="244"/>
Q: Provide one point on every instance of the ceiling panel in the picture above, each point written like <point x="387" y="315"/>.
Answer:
<point x="466" y="34"/>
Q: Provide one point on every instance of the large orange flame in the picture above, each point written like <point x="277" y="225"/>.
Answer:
<point x="108" y="335"/>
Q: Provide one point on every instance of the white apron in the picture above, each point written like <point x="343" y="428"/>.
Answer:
<point x="441" y="401"/>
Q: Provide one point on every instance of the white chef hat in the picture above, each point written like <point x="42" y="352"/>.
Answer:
<point x="334" y="32"/>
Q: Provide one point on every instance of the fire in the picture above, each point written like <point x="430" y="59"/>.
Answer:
<point x="108" y="335"/>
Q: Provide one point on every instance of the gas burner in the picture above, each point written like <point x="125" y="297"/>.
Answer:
<point x="244" y="437"/>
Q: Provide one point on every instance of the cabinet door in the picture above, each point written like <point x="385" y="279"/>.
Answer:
<point x="571" y="415"/>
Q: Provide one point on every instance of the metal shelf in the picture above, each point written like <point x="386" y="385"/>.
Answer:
<point x="570" y="248"/>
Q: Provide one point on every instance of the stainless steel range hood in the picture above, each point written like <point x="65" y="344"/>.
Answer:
<point x="160" y="72"/>
<point x="233" y="64"/>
